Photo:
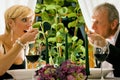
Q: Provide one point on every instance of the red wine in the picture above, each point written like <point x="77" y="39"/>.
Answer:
<point x="101" y="57"/>
<point x="32" y="58"/>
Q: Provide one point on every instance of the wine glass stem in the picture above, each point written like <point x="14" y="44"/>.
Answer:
<point x="32" y="65"/>
<point x="32" y="73"/>
<point x="102" y="78"/>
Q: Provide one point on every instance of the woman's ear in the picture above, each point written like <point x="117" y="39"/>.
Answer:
<point x="11" y="23"/>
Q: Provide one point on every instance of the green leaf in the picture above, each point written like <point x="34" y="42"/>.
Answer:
<point x="36" y="25"/>
<point x="51" y="7"/>
<point x="45" y="16"/>
<point x="60" y="2"/>
<point x="37" y="10"/>
<point x="37" y="6"/>
<point x="72" y="24"/>
<point x="48" y="1"/>
<point x="81" y="19"/>
<point x="72" y="15"/>
<point x="74" y="38"/>
<point x="59" y="44"/>
<point x="52" y="39"/>
<point x="63" y="11"/>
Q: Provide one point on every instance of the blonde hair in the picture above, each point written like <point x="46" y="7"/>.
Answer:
<point x="15" y="12"/>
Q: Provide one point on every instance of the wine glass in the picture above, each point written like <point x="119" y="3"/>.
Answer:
<point x="33" y="54"/>
<point x="101" y="54"/>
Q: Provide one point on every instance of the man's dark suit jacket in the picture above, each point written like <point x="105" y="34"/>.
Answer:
<point x="114" y="56"/>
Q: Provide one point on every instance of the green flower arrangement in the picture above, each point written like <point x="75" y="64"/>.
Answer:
<point x="57" y="17"/>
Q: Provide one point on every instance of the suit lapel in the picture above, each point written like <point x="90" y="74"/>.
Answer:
<point x="117" y="44"/>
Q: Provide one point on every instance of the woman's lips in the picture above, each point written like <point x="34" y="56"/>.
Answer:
<point x="27" y="30"/>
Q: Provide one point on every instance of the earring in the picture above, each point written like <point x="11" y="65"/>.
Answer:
<point x="11" y="35"/>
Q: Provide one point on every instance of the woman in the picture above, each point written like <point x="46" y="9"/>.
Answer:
<point x="18" y="33"/>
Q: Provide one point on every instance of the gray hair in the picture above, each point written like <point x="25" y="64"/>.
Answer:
<point x="111" y="9"/>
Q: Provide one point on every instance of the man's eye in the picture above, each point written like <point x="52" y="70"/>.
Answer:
<point x="24" y="19"/>
<point x="96" y="22"/>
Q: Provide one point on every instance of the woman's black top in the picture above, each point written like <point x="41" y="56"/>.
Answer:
<point x="6" y="75"/>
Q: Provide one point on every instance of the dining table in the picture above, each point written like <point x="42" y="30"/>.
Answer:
<point x="109" y="78"/>
<point x="87" y="79"/>
<point x="27" y="74"/>
<point x="104" y="79"/>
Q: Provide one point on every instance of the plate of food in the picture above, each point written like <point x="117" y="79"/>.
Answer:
<point x="95" y="73"/>
<point x="22" y="74"/>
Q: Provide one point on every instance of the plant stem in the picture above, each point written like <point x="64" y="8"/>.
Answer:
<point x="66" y="47"/>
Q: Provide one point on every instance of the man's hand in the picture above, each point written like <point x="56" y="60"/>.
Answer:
<point x="97" y="40"/>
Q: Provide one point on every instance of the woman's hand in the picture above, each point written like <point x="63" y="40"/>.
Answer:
<point x="29" y="36"/>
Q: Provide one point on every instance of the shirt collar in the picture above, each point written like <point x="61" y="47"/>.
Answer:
<point x="114" y="38"/>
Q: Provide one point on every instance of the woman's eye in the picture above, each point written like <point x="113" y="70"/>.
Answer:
<point x="24" y="19"/>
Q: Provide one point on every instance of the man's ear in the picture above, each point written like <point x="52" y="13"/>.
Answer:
<point x="114" y="24"/>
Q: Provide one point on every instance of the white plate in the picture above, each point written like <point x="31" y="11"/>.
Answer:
<point x="22" y="74"/>
<point x="95" y="73"/>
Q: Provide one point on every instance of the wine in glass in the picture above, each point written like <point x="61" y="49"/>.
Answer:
<point x="101" y="55"/>
<point x="33" y="54"/>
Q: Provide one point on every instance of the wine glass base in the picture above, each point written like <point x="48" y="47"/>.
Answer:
<point x="102" y="78"/>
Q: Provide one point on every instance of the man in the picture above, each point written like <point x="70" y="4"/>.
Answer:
<point x="105" y="20"/>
